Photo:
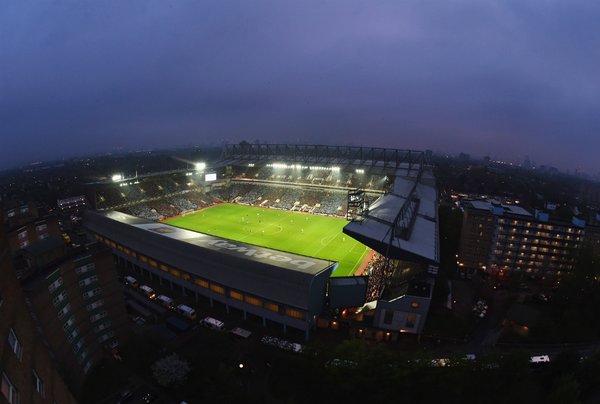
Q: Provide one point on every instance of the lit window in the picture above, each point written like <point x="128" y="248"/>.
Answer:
<point x="236" y="295"/>
<point x="295" y="313"/>
<point x="253" y="300"/>
<point x="217" y="288"/>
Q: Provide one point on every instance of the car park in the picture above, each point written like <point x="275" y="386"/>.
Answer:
<point x="166" y="301"/>
<point x="212" y="323"/>
<point x="147" y="291"/>
<point x="131" y="281"/>
<point x="186" y="311"/>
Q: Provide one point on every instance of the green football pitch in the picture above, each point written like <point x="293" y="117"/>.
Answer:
<point x="300" y="233"/>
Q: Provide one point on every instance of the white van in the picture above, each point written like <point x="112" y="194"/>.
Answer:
<point x="186" y="311"/>
<point x="131" y="281"/>
<point x="166" y="301"/>
<point x="147" y="291"/>
<point x="212" y="323"/>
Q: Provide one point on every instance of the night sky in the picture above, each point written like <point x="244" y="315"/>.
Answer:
<point x="508" y="78"/>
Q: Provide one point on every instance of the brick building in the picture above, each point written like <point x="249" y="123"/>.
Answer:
<point x="27" y="370"/>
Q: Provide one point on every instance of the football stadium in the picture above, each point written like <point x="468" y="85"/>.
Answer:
<point x="303" y="236"/>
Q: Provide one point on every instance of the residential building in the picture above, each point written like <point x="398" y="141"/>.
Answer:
<point x="27" y="367"/>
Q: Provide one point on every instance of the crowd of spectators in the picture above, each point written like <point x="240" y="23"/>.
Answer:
<point x="164" y="196"/>
<point x="377" y="276"/>
<point x="313" y="200"/>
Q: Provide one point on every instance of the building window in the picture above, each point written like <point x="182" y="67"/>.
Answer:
<point x="38" y="384"/>
<point x="77" y="346"/>
<point x="102" y="326"/>
<point x="98" y="316"/>
<point x="95" y="305"/>
<point x="57" y="283"/>
<point x="8" y="390"/>
<point x="41" y="227"/>
<point x="175" y="272"/>
<point x="236" y="295"/>
<point x="201" y="282"/>
<point x="106" y="336"/>
<point x="69" y="323"/>
<point x="85" y="268"/>
<point x="217" y="288"/>
<point x="89" y="280"/>
<point x="14" y="343"/>
<point x="72" y="335"/>
<point x="164" y="268"/>
<point x="411" y="319"/>
<point x="59" y="298"/>
<point x="294" y="313"/>
<point x="253" y="300"/>
<point x="271" y="306"/>
<point x="388" y="317"/>
<point x="414" y="305"/>
<point x="91" y="293"/>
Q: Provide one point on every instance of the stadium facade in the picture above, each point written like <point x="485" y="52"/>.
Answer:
<point x="285" y="288"/>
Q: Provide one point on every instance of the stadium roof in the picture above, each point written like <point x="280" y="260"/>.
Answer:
<point x="271" y="274"/>
<point x="375" y="158"/>
<point x="407" y="215"/>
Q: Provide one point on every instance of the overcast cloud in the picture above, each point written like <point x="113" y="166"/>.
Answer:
<point x="508" y="78"/>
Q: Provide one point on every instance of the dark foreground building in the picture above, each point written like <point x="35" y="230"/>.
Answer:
<point x="26" y="364"/>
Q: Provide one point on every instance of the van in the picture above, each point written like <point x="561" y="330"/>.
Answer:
<point x="147" y="291"/>
<point x="131" y="281"/>
<point x="186" y="311"/>
<point x="212" y="323"/>
<point x="166" y="301"/>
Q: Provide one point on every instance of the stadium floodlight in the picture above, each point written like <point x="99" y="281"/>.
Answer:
<point x="335" y="169"/>
<point x="200" y="166"/>
<point x="117" y="177"/>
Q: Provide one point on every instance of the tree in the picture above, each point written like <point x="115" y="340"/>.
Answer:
<point x="565" y="390"/>
<point x="170" y="370"/>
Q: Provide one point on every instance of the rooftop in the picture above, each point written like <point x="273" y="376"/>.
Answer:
<point x="494" y="206"/>
<point x="421" y="239"/>
<point x="267" y="273"/>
